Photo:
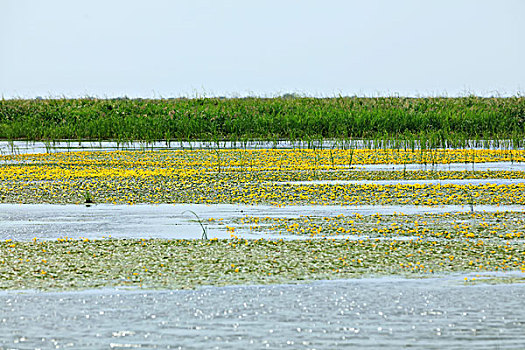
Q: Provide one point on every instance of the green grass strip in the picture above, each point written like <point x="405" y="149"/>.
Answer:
<point x="431" y="120"/>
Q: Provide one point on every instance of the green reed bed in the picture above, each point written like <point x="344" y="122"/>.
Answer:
<point x="80" y="264"/>
<point x="432" y="121"/>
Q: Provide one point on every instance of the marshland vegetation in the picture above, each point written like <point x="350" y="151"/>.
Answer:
<point x="434" y="121"/>
<point x="275" y="177"/>
<point x="154" y="263"/>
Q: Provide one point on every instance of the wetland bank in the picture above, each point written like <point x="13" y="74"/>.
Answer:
<point x="286" y="192"/>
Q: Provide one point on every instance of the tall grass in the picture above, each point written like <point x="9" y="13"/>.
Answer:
<point x="432" y="121"/>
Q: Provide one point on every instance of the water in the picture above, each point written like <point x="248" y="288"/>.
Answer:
<point x="32" y="147"/>
<point x="23" y="222"/>
<point x="374" y="313"/>
<point x="27" y="147"/>
<point x="473" y="182"/>
<point x="482" y="166"/>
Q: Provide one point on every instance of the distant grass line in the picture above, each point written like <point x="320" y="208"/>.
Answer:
<point x="433" y="120"/>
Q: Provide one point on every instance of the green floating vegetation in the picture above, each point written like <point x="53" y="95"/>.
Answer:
<point x="432" y="121"/>
<point x="245" y="177"/>
<point x="480" y="226"/>
<point x="155" y="263"/>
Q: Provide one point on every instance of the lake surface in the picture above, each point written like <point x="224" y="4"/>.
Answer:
<point x="27" y="147"/>
<point x="23" y="222"/>
<point x="463" y="182"/>
<point x="482" y="166"/>
<point x="373" y="313"/>
<point x="30" y="147"/>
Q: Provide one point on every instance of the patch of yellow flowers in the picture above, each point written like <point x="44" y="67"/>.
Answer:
<point x="250" y="177"/>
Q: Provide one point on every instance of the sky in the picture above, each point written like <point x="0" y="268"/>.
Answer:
<point x="233" y="48"/>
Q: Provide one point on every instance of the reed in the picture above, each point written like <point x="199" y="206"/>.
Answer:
<point x="431" y="122"/>
<point x="204" y="231"/>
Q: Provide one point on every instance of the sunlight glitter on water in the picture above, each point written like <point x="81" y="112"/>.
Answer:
<point x="362" y="313"/>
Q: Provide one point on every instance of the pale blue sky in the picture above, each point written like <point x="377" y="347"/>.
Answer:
<point x="162" y="48"/>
